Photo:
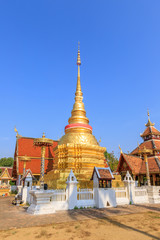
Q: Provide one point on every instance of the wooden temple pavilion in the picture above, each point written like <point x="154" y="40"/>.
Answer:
<point x="144" y="161"/>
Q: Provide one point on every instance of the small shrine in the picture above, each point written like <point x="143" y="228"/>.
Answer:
<point x="102" y="177"/>
<point x="23" y="195"/>
<point x="5" y="178"/>
<point x="27" y="178"/>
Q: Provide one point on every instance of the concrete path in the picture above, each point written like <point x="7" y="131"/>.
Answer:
<point x="16" y="217"/>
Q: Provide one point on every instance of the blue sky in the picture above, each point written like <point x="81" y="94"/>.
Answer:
<point x="120" y="71"/>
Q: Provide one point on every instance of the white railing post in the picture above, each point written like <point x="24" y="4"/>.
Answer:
<point x="71" y="190"/>
<point x="130" y="185"/>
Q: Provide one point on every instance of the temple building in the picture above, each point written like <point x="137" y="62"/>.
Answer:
<point x="144" y="161"/>
<point x="28" y="156"/>
<point x="78" y="150"/>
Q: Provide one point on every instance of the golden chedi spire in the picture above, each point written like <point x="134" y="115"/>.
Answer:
<point x="78" y="130"/>
<point x="78" y="112"/>
<point x="149" y="123"/>
<point x="78" y="148"/>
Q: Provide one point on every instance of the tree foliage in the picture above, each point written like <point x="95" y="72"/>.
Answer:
<point x="112" y="160"/>
<point x="6" y="162"/>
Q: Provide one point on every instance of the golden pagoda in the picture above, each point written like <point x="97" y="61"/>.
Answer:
<point x="78" y="149"/>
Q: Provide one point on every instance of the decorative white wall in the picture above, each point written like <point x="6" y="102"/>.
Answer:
<point x="50" y="201"/>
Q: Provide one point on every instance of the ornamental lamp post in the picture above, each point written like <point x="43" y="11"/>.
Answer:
<point x="145" y="152"/>
<point x="24" y="159"/>
<point x="43" y="143"/>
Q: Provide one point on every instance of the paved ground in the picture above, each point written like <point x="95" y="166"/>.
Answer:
<point x="16" y="217"/>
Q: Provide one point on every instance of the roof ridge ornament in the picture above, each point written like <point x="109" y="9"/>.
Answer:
<point x="120" y="149"/>
<point x="149" y="123"/>
<point x="17" y="134"/>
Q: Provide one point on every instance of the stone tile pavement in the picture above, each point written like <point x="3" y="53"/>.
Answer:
<point x="12" y="216"/>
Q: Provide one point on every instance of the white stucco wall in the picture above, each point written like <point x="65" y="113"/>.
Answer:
<point x="106" y="198"/>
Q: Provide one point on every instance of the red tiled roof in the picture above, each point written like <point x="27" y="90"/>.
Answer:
<point x="35" y="165"/>
<point x="104" y="174"/>
<point x="138" y="165"/>
<point x="26" y="147"/>
<point x="149" y="131"/>
<point x="134" y="162"/>
<point x="150" y="144"/>
<point x="152" y="164"/>
<point x="146" y="132"/>
<point x="157" y="143"/>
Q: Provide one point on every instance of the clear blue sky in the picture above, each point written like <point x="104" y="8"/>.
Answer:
<point x="120" y="71"/>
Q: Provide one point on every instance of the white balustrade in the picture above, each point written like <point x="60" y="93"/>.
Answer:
<point x="85" y="194"/>
<point x="50" y="201"/>
<point x="59" y="195"/>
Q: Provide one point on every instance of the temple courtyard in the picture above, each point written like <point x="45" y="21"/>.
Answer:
<point x="123" y="222"/>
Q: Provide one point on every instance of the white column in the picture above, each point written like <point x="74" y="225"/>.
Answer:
<point x="130" y="185"/>
<point x="71" y="190"/>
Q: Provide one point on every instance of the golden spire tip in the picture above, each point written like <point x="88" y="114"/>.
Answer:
<point x="78" y="57"/>
<point x="149" y="123"/>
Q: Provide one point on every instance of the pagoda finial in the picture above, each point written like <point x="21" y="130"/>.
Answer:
<point x="78" y="77"/>
<point x="78" y="112"/>
<point x="43" y="136"/>
<point x="78" y="56"/>
<point x="149" y="123"/>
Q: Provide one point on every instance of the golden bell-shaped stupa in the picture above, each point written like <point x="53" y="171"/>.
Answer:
<point x="78" y="149"/>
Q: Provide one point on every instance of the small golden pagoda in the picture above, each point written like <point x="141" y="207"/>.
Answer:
<point x="78" y="149"/>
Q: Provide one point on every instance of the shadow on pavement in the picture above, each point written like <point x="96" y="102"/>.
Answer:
<point x="101" y="214"/>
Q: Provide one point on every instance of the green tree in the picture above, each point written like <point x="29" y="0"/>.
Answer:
<point x="6" y="162"/>
<point x="112" y="160"/>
